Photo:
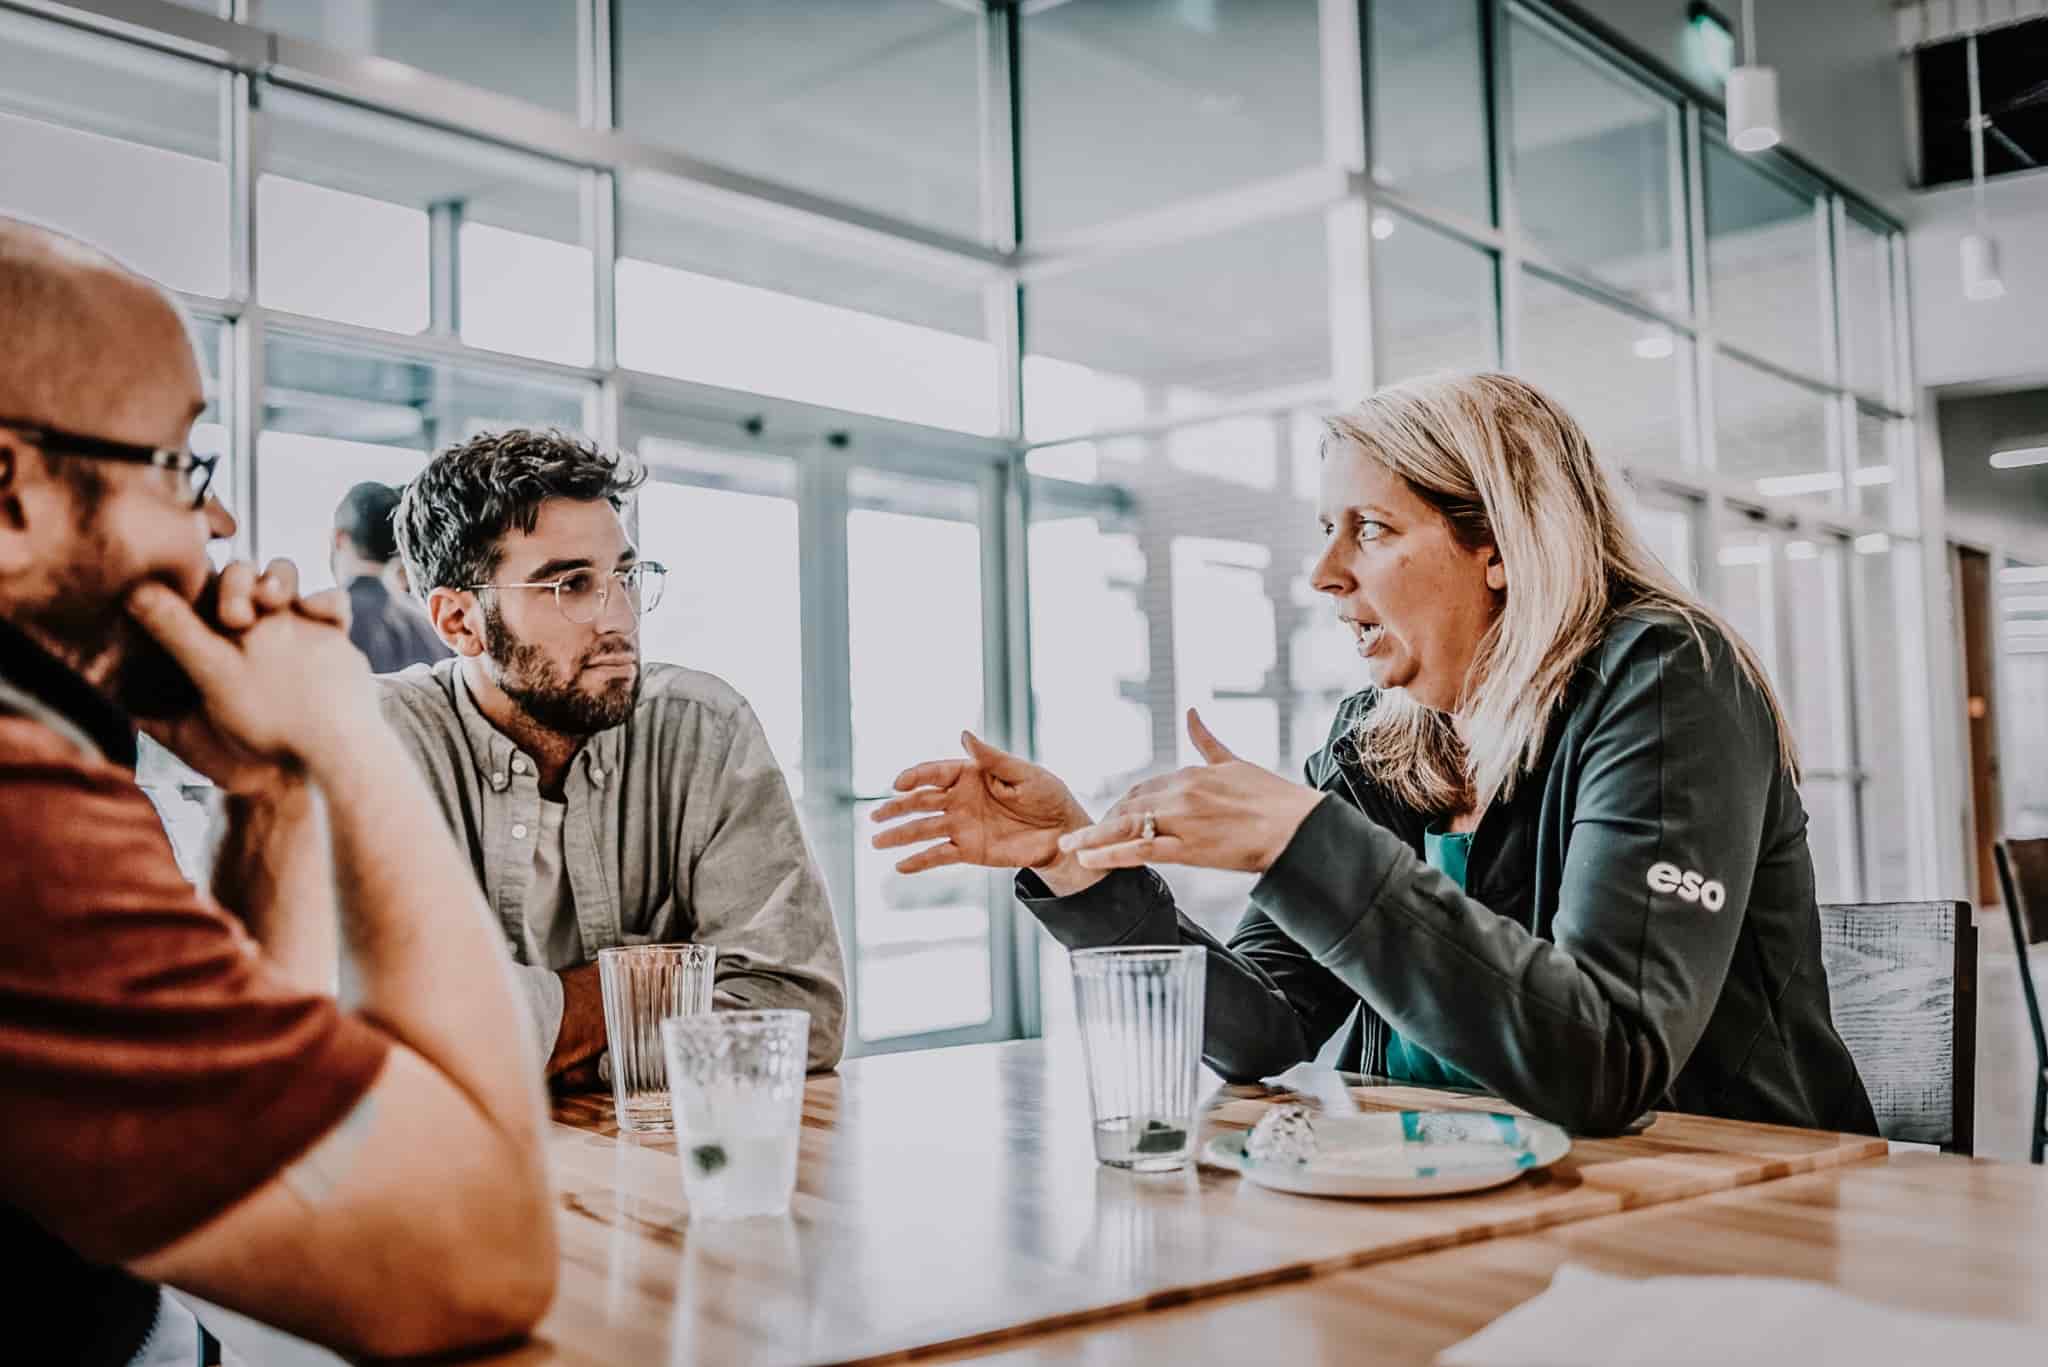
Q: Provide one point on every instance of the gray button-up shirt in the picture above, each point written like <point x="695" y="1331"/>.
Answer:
<point x="679" y="827"/>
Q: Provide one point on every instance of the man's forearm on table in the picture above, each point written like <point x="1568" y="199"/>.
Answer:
<point x="576" y="1005"/>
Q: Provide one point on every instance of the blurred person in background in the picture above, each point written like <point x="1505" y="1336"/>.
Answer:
<point x="391" y="632"/>
<point x="185" y="1102"/>
<point x="1555" y="851"/>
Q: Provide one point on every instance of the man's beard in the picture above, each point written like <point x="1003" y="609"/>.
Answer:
<point x="88" y="626"/>
<point x="560" y="705"/>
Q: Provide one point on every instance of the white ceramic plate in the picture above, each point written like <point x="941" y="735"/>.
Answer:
<point x="1403" y="1153"/>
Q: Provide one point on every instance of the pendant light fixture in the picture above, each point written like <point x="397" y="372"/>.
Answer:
<point x="1752" y="94"/>
<point x="1981" y="279"/>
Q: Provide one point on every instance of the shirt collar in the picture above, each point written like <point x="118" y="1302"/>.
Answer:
<point x="57" y="686"/>
<point x="494" y="750"/>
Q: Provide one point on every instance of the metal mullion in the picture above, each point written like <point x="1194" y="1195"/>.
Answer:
<point x="1017" y="514"/>
<point x="998" y="641"/>
<point x="1592" y="287"/>
<point x="596" y="97"/>
<point x="1695" y="381"/>
<point x="1494" y="21"/>
<point x="792" y="422"/>
<point x="160" y="27"/>
<point x="1277" y="199"/>
<point x="1002" y="210"/>
<point x="823" y="589"/>
<point x="599" y="191"/>
<point x="423" y="347"/>
<point x="1446" y="222"/>
<point x="1355" y="331"/>
<point x="1835" y="574"/>
<point x="243" y="393"/>
<point x="1818" y="388"/>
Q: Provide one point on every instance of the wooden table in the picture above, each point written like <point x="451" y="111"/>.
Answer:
<point x="1920" y="1232"/>
<point x="950" y="1200"/>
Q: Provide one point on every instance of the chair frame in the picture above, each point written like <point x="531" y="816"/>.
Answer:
<point x="1963" y="1041"/>
<point x="2021" y="942"/>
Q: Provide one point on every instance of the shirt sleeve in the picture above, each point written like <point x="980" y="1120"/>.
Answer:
<point x="153" y="1069"/>
<point x="759" y="898"/>
<point x="1673" y="782"/>
<point x="1267" y="1003"/>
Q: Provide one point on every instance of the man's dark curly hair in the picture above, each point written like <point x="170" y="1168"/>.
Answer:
<point x="452" y="521"/>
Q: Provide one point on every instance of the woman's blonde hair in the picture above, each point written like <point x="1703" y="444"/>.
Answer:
<point x="1508" y="467"/>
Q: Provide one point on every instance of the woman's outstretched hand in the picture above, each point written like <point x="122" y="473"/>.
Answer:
<point x="1225" y="813"/>
<point x="991" y="808"/>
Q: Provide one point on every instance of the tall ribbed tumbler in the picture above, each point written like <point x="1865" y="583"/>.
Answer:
<point x="644" y="985"/>
<point x="1141" y="1029"/>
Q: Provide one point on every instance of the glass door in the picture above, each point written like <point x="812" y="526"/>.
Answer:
<point x="917" y="630"/>
<point x="852" y="592"/>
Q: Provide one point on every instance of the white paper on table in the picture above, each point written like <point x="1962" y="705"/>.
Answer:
<point x="1589" y="1319"/>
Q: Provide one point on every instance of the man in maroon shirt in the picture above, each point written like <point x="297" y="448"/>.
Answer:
<point x="184" y="1100"/>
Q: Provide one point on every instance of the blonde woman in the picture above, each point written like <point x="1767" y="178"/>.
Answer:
<point x="1555" y="850"/>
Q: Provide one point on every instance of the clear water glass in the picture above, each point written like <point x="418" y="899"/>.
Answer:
<point x="736" y="1081"/>
<point x="1140" y="1012"/>
<point x="643" y="986"/>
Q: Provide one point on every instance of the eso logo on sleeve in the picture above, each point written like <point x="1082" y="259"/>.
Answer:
<point x="1690" y="886"/>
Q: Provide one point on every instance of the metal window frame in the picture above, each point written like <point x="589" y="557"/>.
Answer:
<point x="1004" y="262"/>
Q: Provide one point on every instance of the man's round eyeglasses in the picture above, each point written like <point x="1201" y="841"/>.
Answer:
<point x="582" y="595"/>
<point x="196" y="469"/>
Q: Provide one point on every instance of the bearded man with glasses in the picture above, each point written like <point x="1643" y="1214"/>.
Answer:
<point x="603" y="800"/>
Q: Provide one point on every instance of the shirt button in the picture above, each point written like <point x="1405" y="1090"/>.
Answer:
<point x="597" y="772"/>
<point x="519" y="765"/>
<point x="498" y="781"/>
<point x="519" y="831"/>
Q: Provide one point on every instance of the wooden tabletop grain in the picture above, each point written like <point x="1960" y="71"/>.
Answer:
<point x="1921" y="1231"/>
<point x="950" y="1201"/>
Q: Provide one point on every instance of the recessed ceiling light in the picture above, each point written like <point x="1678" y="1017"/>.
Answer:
<point x="2018" y="457"/>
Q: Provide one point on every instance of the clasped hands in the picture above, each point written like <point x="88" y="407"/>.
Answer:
<point x="995" y="809"/>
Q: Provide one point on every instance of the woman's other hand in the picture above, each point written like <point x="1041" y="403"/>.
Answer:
<point x="991" y="808"/>
<point x="1226" y="813"/>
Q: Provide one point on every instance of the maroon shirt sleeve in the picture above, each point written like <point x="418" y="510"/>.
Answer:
<point x="154" y="1069"/>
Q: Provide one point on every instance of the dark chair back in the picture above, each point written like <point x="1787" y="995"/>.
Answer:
<point x="1902" y="982"/>
<point x="2023" y="878"/>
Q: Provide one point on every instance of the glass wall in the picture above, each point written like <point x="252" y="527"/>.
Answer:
<point x="882" y="292"/>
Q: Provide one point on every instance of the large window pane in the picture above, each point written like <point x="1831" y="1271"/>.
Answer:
<point x="1868" y="329"/>
<point x="877" y="103"/>
<point x="1179" y="329"/>
<point x="1593" y="154"/>
<point x="336" y="415"/>
<point x="726" y="528"/>
<point x="1874" y="475"/>
<point x="346" y="216"/>
<point x="1746" y="591"/>
<point x="1772" y="434"/>
<point x="117" y="145"/>
<point x="1188" y="588"/>
<point x="1670" y="526"/>
<point x="705" y="296"/>
<point x="1814" y="596"/>
<point x="1129" y="105"/>
<point x="921" y="954"/>
<point x="2023" y="713"/>
<point x="1763" y="260"/>
<point x="464" y="40"/>
<point x="1830" y="824"/>
<point x="1881" y="722"/>
<point x="1429" y="103"/>
<point x="1435" y="301"/>
<point x="1618" y="374"/>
